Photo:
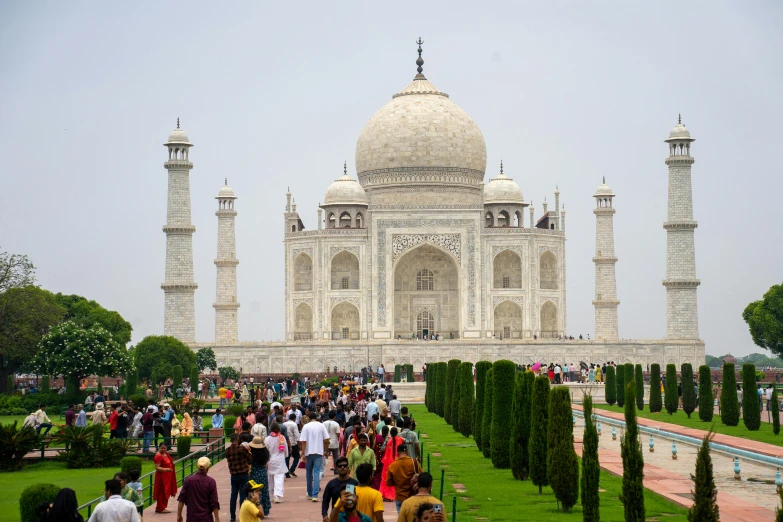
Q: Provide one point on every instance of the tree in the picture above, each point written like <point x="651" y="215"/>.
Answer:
<point x="639" y="378"/>
<point x="729" y="402"/>
<point x="671" y="398"/>
<point x="591" y="469"/>
<point x="455" y="398"/>
<point x="16" y="271"/>
<point x="176" y="376"/>
<point x="428" y="386"/>
<point x="226" y="373"/>
<point x="205" y="358"/>
<point x="72" y="351"/>
<point x="161" y="353"/>
<point x="775" y="411"/>
<point x="705" y="494"/>
<point x="751" y="414"/>
<point x="656" y="401"/>
<point x="440" y="398"/>
<point x="688" y="390"/>
<point x="620" y="386"/>
<point x="89" y="313"/>
<point x="705" y="394"/>
<point x="486" y="424"/>
<point x="451" y="374"/>
<point x="713" y="362"/>
<point x="765" y="320"/>
<point x="467" y="404"/>
<point x="520" y="425"/>
<point x="26" y="314"/>
<point x="503" y="384"/>
<point x="632" y="495"/>
<point x="562" y="465"/>
<point x="629" y="372"/>
<point x="610" y="387"/>
<point x="482" y="367"/>
<point x="539" y="416"/>
<point x="131" y="379"/>
<point x="194" y="378"/>
<point x="46" y="385"/>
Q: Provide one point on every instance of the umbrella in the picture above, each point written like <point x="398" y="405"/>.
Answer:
<point x="536" y="366"/>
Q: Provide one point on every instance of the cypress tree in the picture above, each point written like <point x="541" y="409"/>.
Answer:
<point x="194" y="378"/>
<point x="427" y="388"/>
<point x="779" y="512"/>
<point x="610" y="388"/>
<point x="130" y="384"/>
<point x="100" y="386"/>
<point x="455" y="398"/>
<point x="688" y="392"/>
<point x="503" y="384"/>
<point x="45" y="384"/>
<point x="520" y="424"/>
<point x="482" y="367"/>
<point x="706" y="400"/>
<point x="751" y="415"/>
<point x="629" y="372"/>
<point x="176" y="377"/>
<point x="656" y="401"/>
<point x="775" y="411"/>
<point x="632" y="495"/>
<point x="705" y="494"/>
<point x="729" y="402"/>
<point x="620" y="386"/>
<point x="562" y="465"/>
<point x="467" y="401"/>
<point x="451" y="374"/>
<point x="639" y="378"/>
<point x="591" y="470"/>
<point x="671" y="398"/>
<point x="440" y="397"/>
<point x="486" y="423"/>
<point x="539" y="415"/>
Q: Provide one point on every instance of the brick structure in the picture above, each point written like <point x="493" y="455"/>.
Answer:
<point x="605" y="302"/>
<point x="226" y="304"/>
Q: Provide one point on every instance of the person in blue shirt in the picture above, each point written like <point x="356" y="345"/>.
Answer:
<point x="217" y="419"/>
<point x="166" y="418"/>
<point x="81" y="418"/>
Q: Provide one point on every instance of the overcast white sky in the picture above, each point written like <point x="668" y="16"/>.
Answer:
<point x="274" y="94"/>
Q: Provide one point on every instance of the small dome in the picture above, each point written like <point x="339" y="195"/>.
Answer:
<point x="226" y="193"/>
<point x="345" y="191"/>
<point x="730" y="359"/>
<point x="680" y="132"/>
<point x="177" y="136"/>
<point x="502" y="189"/>
<point x="603" y="190"/>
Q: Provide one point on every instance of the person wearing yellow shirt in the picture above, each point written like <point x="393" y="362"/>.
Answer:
<point x="411" y="505"/>
<point x="250" y="512"/>
<point x="369" y="501"/>
<point x="222" y="394"/>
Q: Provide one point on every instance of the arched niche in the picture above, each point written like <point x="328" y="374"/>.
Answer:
<point x="507" y="270"/>
<point x="549" y="327"/>
<point x="303" y="322"/>
<point x="508" y="320"/>
<point x="345" y="321"/>
<point x="303" y="273"/>
<point x="548" y="271"/>
<point x="345" y="271"/>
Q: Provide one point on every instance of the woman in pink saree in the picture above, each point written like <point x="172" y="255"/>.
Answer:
<point x="389" y="455"/>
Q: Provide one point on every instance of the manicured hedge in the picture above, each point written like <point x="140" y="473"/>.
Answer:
<point x="775" y="411"/>
<point x="729" y="401"/>
<point x="429" y="388"/>
<point x="33" y="495"/>
<point x="639" y="378"/>
<point x="467" y="401"/>
<point x="705" y="494"/>
<point x="656" y="401"/>
<point x="440" y="396"/>
<point x="183" y="446"/>
<point x="671" y="399"/>
<point x="620" y="386"/>
<point x="688" y="391"/>
<point x="397" y="372"/>
<point x="482" y="367"/>
<point x="610" y="388"/>
<point x="562" y="465"/>
<point x="591" y="470"/>
<point x="451" y="374"/>
<point x="751" y="414"/>
<point x="503" y="384"/>
<point x="486" y="424"/>
<point x="539" y="415"/>
<point x="520" y="425"/>
<point x="455" y="398"/>
<point x="409" y="373"/>
<point x="130" y="383"/>
<point x="706" y="400"/>
<point x="632" y="495"/>
<point x="130" y="463"/>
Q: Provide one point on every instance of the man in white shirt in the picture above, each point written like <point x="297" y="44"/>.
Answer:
<point x="293" y="439"/>
<point x="314" y="444"/>
<point x="43" y="420"/>
<point x="333" y="429"/>
<point x="115" y="508"/>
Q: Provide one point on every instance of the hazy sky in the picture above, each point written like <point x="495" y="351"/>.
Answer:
<point x="274" y="94"/>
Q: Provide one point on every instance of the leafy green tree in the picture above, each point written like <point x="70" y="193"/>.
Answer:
<point x="706" y="400"/>
<point x="713" y="362"/>
<point x="455" y="398"/>
<point x="440" y="398"/>
<point x="486" y="425"/>
<point x="467" y="402"/>
<point x="765" y="320"/>
<point x="161" y="353"/>
<point x="688" y="390"/>
<point x="620" y="386"/>
<point x="520" y="425"/>
<point x="205" y="359"/>
<point x="226" y="373"/>
<point x="16" y="271"/>
<point x="632" y="495"/>
<point x="46" y="385"/>
<point x="751" y="414"/>
<point x="562" y="465"/>
<point x="671" y="398"/>
<point x="503" y="384"/>
<point x="451" y="374"/>
<point x="775" y="411"/>
<point x="539" y="417"/>
<point x="72" y="351"/>
<point x="482" y="367"/>
<point x="705" y="494"/>
<point x="26" y="314"/>
<point x="610" y="388"/>
<point x="656" y="401"/>
<point x="761" y="360"/>
<point x="591" y="469"/>
<point x="639" y="378"/>
<point x="729" y="401"/>
<point x="87" y="313"/>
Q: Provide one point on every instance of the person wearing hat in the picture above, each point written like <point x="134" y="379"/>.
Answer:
<point x="259" y="458"/>
<point x="250" y="512"/>
<point x="98" y="416"/>
<point x="199" y="494"/>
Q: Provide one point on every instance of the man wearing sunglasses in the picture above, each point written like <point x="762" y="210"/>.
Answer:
<point x="332" y="489"/>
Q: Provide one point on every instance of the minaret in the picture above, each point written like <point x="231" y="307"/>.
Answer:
<point x="605" y="302"/>
<point x="179" y="316"/>
<point x="682" y="319"/>
<point x="226" y="327"/>
<point x="557" y="208"/>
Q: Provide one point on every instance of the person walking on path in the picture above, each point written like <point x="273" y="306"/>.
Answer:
<point x="333" y="429"/>
<point x="165" y="479"/>
<point x="238" y="457"/>
<point x="361" y="454"/>
<point x="399" y="475"/>
<point x="81" y="417"/>
<point x="293" y="442"/>
<point x="332" y="489"/>
<point x="115" y="508"/>
<point x="199" y="494"/>
<point x="410" y="507"/>
<point x="42" y="420"/>
<point x="368" y="500"/>
<point x="314" y="445"/>
<point x="258" y="473"/>
<point x="277" y="445"/>
<point x="251" y="507"/>
<point x="391" y="447"/>
<point x="98" y="416"/>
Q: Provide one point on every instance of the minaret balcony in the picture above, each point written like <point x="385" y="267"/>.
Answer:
<point x="680" y="160"/>
<point x="681" y="283"/>
<point x="179" y="287"/>
<point x="178" y="165"/>
<point x="226" y="262"/>
<point x="681" y="225"/>
<point x="179" y="229"/>
<point x="225" y="306"/>
<point x="604" y="260"/>
<point x="606" y="303"/>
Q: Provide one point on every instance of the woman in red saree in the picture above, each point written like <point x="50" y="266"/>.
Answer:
<point x="377" y="440"/>
<point x="165" y="479"/>
<point x="389" y="455"/>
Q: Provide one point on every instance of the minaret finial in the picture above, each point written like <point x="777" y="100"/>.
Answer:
<point x="501" y="167"/>
<point x="679" y="119"/>
<point x="178" y="122"/>
<point x="419" y="61"/>
<point x="604" y="180"/>
<point x="345" y="168"/>
<point x="226" y="181"/>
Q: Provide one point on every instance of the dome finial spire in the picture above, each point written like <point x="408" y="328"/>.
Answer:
<point x="226" y="179"/>
<point x="679" y="119"/>
<point x="501" y="167"/>
<point x="419" y="61"/>
<point x="345" y="168"/>
<point x="604" y="180"/>
<point x="178" y="122"/>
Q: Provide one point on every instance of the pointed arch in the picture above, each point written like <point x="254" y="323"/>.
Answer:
<point x="549" y="322"/>
<point x="508" y="320"/>
<point x="345" y="321"/>
<point x="507" y="270"/>
<point x="303" y="273"/>
<point x="345" y="271"/>
<point x="303" y="322"/>
<point x="548" y="271"/>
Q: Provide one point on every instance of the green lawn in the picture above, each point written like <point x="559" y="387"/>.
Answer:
<point x="764" y="434"/>
<point x="495" y="495"/>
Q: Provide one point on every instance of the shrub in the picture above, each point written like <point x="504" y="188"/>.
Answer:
<point x="562" y="465"/>
<point x="228" y="425"/>
<point x="467" y="404"/>
<point x="656" y="401"/>
<point x="503" y="384"/>
<point x="671" y="399"/>
<point x="397" y="372"/>
<point x="15" y="443"/>
<point x="194" y="378"/>
<point x="610" y="388"/>
<point x="10" y="384"/>
<point x="440" y="398"/>
<point x="234" y="409"/>
<point x="130" y="463"/>
<point x="639" y="378"/>
<point x="455" y="398"/>
<point x="705" y="494"/>
<point x="139" y="400"/>
<point x="89" y="449"/>
<point x="688" y="390"/>
<point x="486" y="424"/>
<point x="629" y="372"/>
<point x="482" y="367"/>
<point x="591" y="470"/>
<point x="620" y="386"/>
<point x="451" y="374"/>
<point x="706" y="400"/>
<point x="751" y="415"/>
<point x="32" y="496"/>
<point x="539" y="415"/>
<point x="130" y="383"/>
<point x="183" y="446"/>
<point x="520" y="425"/>
<point x="409" y="372"/>
<point x="775" y="411"/>
<point x="729" y="402"/>
<point x="176" y="377"/>
<point x="632" y="495"/>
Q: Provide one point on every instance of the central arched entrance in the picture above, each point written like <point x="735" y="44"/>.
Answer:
<point x="426" y="294"/>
